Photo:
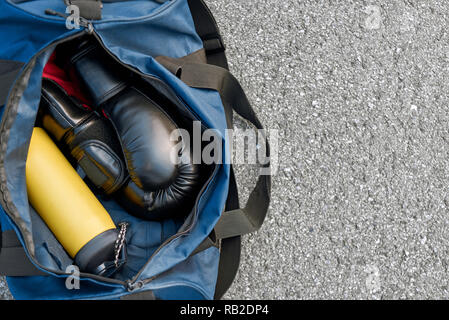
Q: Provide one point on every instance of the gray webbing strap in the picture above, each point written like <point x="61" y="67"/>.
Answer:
<point x="13" y="259"/>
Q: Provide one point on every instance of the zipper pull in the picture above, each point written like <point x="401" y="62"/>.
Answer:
<point x="131" y="286"/>
<point x="87" y="25"/>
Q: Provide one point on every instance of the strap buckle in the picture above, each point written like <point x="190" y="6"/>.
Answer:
<point x="213" y="44"/>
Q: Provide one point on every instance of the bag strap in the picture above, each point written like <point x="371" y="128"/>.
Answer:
<point x="9" y="70"/>
<point x="208" y="30"/>
<point x="89" y="9"/>
<point x="249" y="218"/>
<point x="230" y="247"/>
<point x="228" y="265"/>
<point x="13" y="259"/>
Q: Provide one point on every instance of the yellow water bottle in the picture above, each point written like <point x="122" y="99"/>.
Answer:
<point x="67" y="205"/>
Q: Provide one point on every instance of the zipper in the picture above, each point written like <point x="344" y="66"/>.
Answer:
<point x="175" y="236"/>
<point x="132" y="284"/>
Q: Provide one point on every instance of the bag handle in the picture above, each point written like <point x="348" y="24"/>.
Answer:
<point x="198" y="75"/>
<point x="205" y="25"/>
<point x="207" y="28"/>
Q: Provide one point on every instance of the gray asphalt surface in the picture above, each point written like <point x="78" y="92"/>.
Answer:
<point x="358" y="91"/>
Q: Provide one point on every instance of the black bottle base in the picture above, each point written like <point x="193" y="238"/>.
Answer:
<point x="97" y="252"/>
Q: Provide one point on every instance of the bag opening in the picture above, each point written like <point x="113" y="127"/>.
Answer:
<point x="143" y="237"/>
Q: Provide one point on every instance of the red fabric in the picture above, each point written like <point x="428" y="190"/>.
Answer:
<point x="54" y="72"/>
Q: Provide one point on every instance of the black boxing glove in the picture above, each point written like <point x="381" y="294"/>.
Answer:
<point x="88" y="137"/>
<point x="93" y="143"/>
<point x="143" y="128"/>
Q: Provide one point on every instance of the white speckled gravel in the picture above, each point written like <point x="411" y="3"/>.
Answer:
<point x="359" y="92"/>
<point x="4" y="292"/>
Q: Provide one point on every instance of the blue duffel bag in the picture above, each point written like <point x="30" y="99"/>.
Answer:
<point x="175" y="45"/>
